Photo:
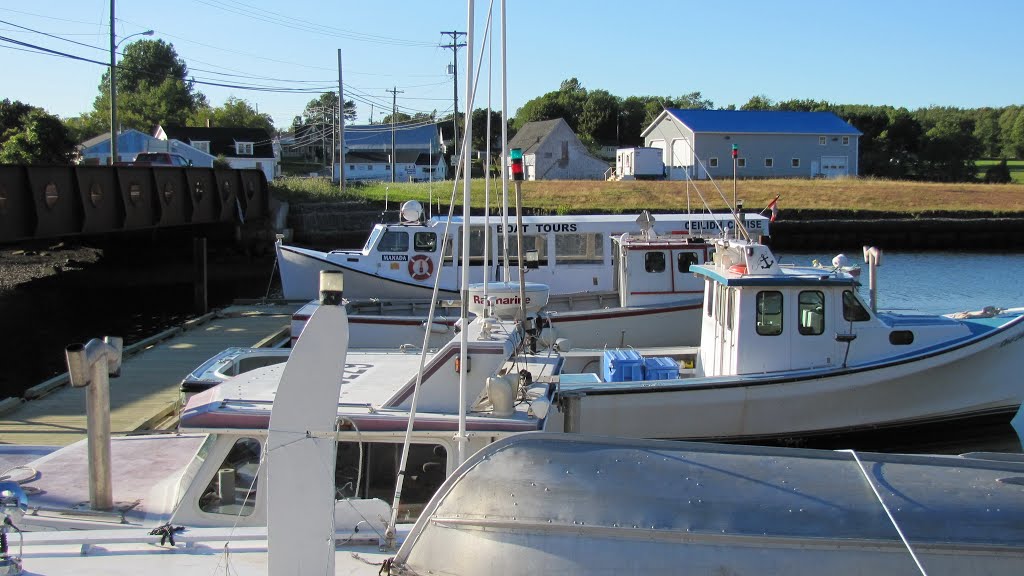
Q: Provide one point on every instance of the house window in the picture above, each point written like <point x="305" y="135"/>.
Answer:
<point x="201" y="145"/>
<point x="741" y="162"/>
<point x="243" y="148"/>
<point x="846" y="140"/>
<point x="795" y="162"/>
<point x="351" y="166"/>
<point x="822" y="140"/>
<point x="769" y="162"/>
<point x="712" y="162"/>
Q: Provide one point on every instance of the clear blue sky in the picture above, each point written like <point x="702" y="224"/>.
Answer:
<point x="895" y="52"/>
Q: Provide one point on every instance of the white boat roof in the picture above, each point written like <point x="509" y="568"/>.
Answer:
<point x="607" y="218"/>
<point x="590" y="503"/>
<point x="375" y="386"/>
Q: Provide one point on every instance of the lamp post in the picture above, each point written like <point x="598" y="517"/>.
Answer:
<point x="113" y="82"/>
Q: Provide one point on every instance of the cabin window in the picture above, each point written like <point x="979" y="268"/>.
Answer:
<point x="710" y="297"/>
<point x="446" y="254"/>
<point x="685" y="260"/>
<point x="769" y="313"/>
<point x="538" y="242"/>
<point x="394" y="241"/>
<point x="730" y="307"/>
<point x="370" y="470"/>
<point x="901" y="337"/>
<point x="232" y="490"/>
<point x="712" y="162"/>
<point x="654" y="262"/>
<point x="579" y="248"/>
<point x="425" y="241"/>
<point x="853" y="310"/>
<point x="811" y="306"/>
<point x="720" y="307"/>
<point x="476" y="245"/>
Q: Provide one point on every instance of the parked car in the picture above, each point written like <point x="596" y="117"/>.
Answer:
<point x="158" y="159"/>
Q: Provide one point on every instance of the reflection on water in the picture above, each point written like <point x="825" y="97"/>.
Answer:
<point x="938" y="282"/>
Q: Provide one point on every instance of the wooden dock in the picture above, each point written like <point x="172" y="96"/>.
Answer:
<point x="146" y="395"/>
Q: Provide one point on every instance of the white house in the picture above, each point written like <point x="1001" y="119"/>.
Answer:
<point x="552" y="151"/>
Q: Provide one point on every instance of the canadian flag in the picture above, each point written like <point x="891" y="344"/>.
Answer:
<point x="774" y="207"/>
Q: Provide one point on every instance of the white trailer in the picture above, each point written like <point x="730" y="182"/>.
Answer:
<point x="639" y="164"/>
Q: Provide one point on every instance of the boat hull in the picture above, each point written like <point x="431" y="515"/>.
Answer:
<point x="979" y="378"/>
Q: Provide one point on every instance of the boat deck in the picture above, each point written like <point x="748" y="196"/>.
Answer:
<point x="146" y="396"/>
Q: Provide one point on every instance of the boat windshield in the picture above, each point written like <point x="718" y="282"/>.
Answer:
<point x="374" y="236"/>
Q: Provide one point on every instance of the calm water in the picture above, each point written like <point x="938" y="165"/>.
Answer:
<point x="938" y="282"/>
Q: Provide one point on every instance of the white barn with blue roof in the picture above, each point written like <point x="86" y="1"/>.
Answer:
<point x="771" y="144"/>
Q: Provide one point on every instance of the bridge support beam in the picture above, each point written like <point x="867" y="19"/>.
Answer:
<point x="199" y="274"/>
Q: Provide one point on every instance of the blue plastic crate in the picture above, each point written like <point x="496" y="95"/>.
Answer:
<point x="660" y="368"/>
<point x="622" y="366"/>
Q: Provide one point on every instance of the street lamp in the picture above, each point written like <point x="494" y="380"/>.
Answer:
<point x="113" y="82"/>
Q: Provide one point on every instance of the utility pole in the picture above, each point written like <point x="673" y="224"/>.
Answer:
<point x="455" y="45"/>
<point x="341" y="129"/>
<point x="394" y="111"/>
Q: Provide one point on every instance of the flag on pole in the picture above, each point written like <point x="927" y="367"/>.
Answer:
<point x="774" y="207"/>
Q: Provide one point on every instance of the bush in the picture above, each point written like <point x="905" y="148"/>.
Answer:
<point x="998" y="173"/>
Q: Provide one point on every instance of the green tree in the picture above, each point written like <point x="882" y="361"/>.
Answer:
<point x="29" y="135"/>
<point x="152" y="88"/>
<point x="986" y="130"/>
<point x="759" y="102"/>
<point x="693" y="100"/>
<point x="998" y="173"/>
<point x="949" y="150"/>
<point x="235" y="112"/>
<point x="480" y="130"/>
<point x="599" y="118"/>
<point x="1007" y="118"/>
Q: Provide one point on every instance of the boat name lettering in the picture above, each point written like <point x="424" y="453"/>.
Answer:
<point x="1011" y="339"/>
<point x="541" y="228"/>
<point x="714" y="224"/>
<point x="394" y="257"/>
<point x="499" y="301"/>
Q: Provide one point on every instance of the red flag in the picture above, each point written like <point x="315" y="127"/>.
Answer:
<point x="774" y="207"/>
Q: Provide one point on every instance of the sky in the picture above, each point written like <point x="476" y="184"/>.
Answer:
<point x="904" y="53"/>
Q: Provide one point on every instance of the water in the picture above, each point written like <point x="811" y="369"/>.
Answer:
<point x="937" y="282"/>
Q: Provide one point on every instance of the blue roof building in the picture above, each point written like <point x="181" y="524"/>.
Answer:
<point x="768" y="144"/>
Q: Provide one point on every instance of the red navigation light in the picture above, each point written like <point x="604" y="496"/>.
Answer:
<point x="516" y="156"/>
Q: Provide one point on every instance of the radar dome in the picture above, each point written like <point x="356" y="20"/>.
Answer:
<point x="412" y="211"/>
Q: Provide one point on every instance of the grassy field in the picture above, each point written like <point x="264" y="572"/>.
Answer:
<point x="582" y="196"/>
<point x="1016" y="169"/>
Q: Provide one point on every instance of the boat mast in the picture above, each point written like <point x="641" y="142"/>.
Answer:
<point x="467" y="138"/>
<point x="504" y="145"/>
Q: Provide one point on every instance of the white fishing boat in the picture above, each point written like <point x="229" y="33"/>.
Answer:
<point x="573" y="254"/>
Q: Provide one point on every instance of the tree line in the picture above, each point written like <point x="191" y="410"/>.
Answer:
<point x="154" y="88"/>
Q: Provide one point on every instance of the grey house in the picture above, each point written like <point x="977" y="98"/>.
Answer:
<point x="770" y="144"/>
<point x="552" y="151"/>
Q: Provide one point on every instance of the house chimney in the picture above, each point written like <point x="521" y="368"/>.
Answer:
<point x="208" y="123"/>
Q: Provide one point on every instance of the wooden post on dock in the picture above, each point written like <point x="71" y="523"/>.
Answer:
<point x="199" y="273"/>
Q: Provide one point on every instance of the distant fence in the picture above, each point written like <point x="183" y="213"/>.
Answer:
<point x="39" y="202"/>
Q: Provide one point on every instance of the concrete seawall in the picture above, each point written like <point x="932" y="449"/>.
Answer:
<point x="347" y="224"/>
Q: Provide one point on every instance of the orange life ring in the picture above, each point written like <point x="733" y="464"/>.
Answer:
<point x="421" y="267"/>
<point x="738" y="268"/>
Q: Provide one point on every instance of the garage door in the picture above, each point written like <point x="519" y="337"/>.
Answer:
<point x="834" y="166"/>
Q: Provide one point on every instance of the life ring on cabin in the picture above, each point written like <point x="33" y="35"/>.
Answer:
<point x="421" y="267"/>
<point x="738" y="269"/>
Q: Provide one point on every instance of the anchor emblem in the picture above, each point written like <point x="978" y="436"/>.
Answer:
<point x="765" y="262"/>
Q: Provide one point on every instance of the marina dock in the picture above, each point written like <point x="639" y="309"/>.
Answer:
<point x="146" y="396"/>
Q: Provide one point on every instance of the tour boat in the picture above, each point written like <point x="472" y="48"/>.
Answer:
<point x="574" y="254"/>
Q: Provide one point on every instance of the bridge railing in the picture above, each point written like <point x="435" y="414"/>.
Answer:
<point x="55" y="201"/>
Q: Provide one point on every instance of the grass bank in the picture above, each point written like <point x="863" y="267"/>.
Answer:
<point x="848" y="195"/>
